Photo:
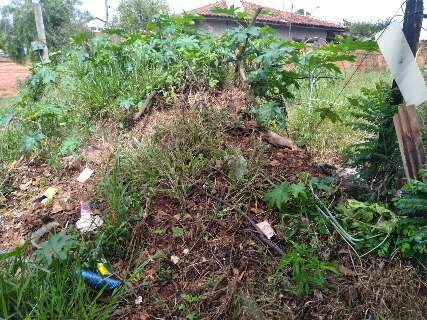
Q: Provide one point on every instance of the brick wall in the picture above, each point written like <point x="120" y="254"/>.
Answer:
<point x="374" y="61"/>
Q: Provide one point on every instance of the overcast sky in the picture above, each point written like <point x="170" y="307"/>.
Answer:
<point x="330" y="9"/>
<point x="335" y="10"/>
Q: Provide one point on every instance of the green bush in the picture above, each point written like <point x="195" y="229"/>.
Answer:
<point x="378" y="157"/>
<point x="308" y="271"/>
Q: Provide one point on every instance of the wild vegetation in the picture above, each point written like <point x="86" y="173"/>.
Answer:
<point x="182" y="116"/>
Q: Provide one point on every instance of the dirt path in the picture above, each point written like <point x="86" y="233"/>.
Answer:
<point x="10" y="74"/>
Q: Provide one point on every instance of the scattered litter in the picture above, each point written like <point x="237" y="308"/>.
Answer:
<point x="138" y="300"/>
<point x="98" y="282"/>
<point x="38" y="234"/>
<point x="47" y="196"/>
<point x="174" y="259"/>
<point x="103" y="269"/>
<point x="186" y="251"/>
<point x="85" y="175"/>
<point x="239" y="167"/>
<point x="87" y="222"/>
<point x="266" y="229"/>
<point x="348" y="172"/>
<point x="57" y="208"/>
<point x="25" y="186"/>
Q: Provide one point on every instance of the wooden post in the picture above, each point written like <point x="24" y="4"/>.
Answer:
<point x="410" y="142"/>
<point x="406" y="120"/>
<point x="41" y="34"/>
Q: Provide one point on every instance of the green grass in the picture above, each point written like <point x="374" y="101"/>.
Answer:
<point x="29" y="290"/>
<point x="4" y="102"/>
<point x="185" y="147"/>
<point x="327" y="141"/>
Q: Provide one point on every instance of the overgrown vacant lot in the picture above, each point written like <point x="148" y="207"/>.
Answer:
<point x="194" y="140"/>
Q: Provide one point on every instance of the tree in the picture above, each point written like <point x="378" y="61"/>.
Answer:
<point x="62" y="19"/>
<point x="364" y="29"/>
<point x="134" y="15"/>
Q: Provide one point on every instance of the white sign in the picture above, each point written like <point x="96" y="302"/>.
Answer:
<point x="401" y="61"/>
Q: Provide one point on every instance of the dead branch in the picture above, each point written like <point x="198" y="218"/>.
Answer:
<point x="146" y="105"/>
<point x="279" y="141"/>
<point x="260" y="235"/>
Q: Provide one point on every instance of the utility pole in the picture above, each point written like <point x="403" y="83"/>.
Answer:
<point x="41" y="34"/>
<point x="106" y="12"/>
<point x="412" y="24"/>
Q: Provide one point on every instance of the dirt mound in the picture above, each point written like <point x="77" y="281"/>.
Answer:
<point x="201" y="258"/>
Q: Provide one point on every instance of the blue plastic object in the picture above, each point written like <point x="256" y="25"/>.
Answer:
<point x="98" y="282"/>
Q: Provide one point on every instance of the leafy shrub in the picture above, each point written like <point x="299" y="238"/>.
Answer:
<point x="308" y="271"/>
<point x="371" y="223"/>
<point x="413" y="200"/>
<point x="271" y="115"/>
<point x="288" y="196"/>
<point x="378" y="156"/>
<point x="412" y="232"/>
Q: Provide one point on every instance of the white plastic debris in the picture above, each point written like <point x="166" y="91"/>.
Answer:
<point x="138" y="300"/>
<point x="403" y="66"/>
<point x="85" y="175"/>
<point x="239" y="166"/>
<point x="87" y="222"/>
<point x="174" y="259"/>
<point x="266" y="229"/>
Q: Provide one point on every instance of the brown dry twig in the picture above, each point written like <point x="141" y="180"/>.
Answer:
<point x="261" y="235"/>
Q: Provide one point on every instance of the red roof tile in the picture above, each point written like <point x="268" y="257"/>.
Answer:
<point x="276" y="16"/>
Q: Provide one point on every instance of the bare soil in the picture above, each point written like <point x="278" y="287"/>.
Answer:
<point x="10" y="75"/>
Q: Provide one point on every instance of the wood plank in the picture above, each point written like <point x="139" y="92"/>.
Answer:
<point x="408" y="132"/>
<point x="402" y="146"/>
<point x="414" y="124"/>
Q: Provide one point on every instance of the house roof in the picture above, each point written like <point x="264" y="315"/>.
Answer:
<point x="276" y="16"/>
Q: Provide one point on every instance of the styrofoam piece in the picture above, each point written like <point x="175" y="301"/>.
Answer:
<point x="85" y="175"/>
<point x="87" y="221"/>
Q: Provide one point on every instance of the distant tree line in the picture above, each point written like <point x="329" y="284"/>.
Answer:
<point x="62" y="19"/>
<point x="361" y="29"/>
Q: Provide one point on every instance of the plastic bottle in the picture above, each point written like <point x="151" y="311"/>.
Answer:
<point x="98" y="282"/>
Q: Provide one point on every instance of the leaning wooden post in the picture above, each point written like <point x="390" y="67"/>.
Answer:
<point x="399" y="50"/>
<point x="408" y="133"/>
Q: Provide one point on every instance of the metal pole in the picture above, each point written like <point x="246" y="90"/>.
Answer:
<point x="41" y="34"/>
